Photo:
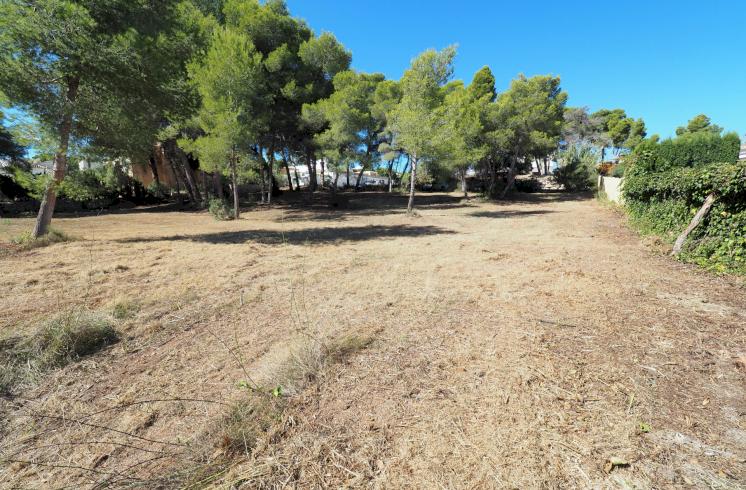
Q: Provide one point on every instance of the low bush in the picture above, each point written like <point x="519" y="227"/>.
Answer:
<point x="219" y="209"/>
<point x="663" y="203"/>
<point x="687" y="150"/>
<point x="576" y="173"/>
<point x="27" y="241"/>
<point x="63" y="339"/>
<point x="527" y="185"/>
<point x="246" y="421"/>
<point x="72" y="335"/>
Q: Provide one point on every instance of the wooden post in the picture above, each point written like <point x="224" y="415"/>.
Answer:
<point x="694" y="223"/>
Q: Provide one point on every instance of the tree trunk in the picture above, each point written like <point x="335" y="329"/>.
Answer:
<point x="191" y="181"/>
<point x="287" y="170"/>
<point x="406" y="167"/>
<point x="312" y="172"/>
<point x="463" y="183"/>
<point x="154" y="169"/>
<point x="693" y="224"/>
<point x="217" y="182"/>
<point x="234" y="179"/>
<point x="49" y="200"/>
<point x="511" y="176"/>
<point x="492" y="191"/>
<point x="348" y="175"/>
<point x="412" y="178"/>
<point x="270" y="174"/>
<point x="323" y="173"/>
<point x="391" y="174"/>
<point x="359" y="177"/>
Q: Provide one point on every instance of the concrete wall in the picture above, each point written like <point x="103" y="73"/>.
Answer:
<point x="612" y="186"/>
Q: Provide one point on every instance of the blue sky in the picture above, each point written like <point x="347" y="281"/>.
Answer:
<point x="662" y="60"/>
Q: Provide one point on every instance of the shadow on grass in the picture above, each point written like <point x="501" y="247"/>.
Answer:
<point x="308" y="236"/>
<point x="509" y="213"/>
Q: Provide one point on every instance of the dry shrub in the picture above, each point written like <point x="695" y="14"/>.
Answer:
<point x="124" y="308"/>
<point x="304" y="363"/>
<point x="246" y="421"/>
<point x="70" y="336"/>
<point x="26" y="241"/>
<point x="58" y="341"/>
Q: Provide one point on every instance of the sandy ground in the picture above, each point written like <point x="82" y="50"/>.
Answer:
<point x="516" y="345"/>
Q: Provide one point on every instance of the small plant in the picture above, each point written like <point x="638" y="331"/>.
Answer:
<point x="219" y="209"/>
<point x="124" y="308"/>
<point x="27" y="241"/>
<point x="70" y="336"/>
<point x="247" y="420"/>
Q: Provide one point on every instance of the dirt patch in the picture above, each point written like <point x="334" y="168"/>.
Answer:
<point x="518" y="345"/>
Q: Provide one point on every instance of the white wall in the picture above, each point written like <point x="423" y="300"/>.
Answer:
<point x="613" y="188"/>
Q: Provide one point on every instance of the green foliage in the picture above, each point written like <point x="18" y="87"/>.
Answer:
<point x="698" y="124"/>
<point x="528" y="185"/>
<point x="27" y="241"/>
<point x="9" y="147"/>
<point x="576" y="172"/>
<point x="219" y="209"/>
<point x="687" y="150"/>
<point x="663" y="203"/>
<point x="618" y="170"/>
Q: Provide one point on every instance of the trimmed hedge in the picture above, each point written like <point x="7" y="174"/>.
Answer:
<point x="663" y="203"/>
<point x="688" y="150"/>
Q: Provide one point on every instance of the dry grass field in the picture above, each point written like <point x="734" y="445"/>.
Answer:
<point x="536" y="343"/>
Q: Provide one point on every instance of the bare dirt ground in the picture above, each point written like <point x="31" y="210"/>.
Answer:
<point x="516" y="345"/>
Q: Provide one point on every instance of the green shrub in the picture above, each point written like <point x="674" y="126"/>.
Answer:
<point x="527" y="185"/>
<point x="687" y="150"/>
<point x="27" y="241"/>
<point x="664" y="203"/>
<point x="219" y="209"/>
<point x="577" y="171"/>
<point x="618" y="170"/>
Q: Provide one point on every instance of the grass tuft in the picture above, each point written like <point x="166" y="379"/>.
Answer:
<point x="26" y="240"/>
<point x="68" y="337"/>
<point x="246" y="421"/>
<point x="58" y="341"/>
<point x="124" y="308"/>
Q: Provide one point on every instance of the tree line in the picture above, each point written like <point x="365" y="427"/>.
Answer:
<point x="248" y="90"/>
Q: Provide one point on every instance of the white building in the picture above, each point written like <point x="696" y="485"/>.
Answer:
<point x="301" y="177"/>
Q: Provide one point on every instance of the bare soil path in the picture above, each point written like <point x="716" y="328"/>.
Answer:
<point x="517" y="345"/>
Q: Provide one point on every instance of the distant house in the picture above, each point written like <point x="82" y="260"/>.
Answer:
<point x="742" y="154"/>
<point x="301" y="177"/>
<point x="45" y="167"/>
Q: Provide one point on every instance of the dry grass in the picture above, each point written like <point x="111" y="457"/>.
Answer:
<point x="517" y="345"/>
<point x="60" y="340"/>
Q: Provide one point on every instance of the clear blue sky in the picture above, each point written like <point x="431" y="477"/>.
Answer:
<point x="662" y="60"/>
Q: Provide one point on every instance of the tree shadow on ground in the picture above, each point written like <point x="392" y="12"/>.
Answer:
<point x="311" y="236"/>
<point x="348" y="205"/>
<point x="507" y="213"/>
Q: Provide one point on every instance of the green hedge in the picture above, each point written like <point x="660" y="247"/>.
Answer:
<point x="663" y="203"/>
<point x="688" y="150"/>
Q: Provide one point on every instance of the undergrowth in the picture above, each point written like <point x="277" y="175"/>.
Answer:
<point x="26" y="240"/>
<point x="56" y="342"/>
